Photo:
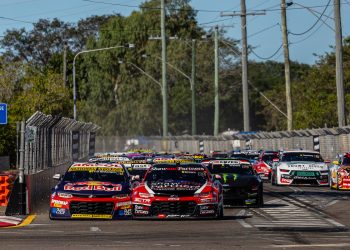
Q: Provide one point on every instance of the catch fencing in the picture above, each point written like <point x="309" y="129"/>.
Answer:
<point x="328" y="141"/>
<point x="54" y="140"/>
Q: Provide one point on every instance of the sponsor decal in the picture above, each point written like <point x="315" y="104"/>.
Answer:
<point x="58" y="203"/>
<point x="174" y="216"/>
<point x="142" y="200"/>
<point x="181" y="186"/>
<point x="122" y="204"/>
<point x="92" y="185"/>
<point x="207" y="212"/>
<point x="228" y="162"/>
<point x="93" y="216"/>
<point x="59" y="211"/>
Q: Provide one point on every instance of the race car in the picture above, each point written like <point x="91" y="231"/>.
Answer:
<point x="176" y="191"/>
<point x="251" y="155"/>
<point x="340" y="173"/>
<point x="241" y="185"/>
<point x="300" y="167"/>
<point x="137" y="167"/>
<point x="264" y="164"/>
<point x="92" y="191"/>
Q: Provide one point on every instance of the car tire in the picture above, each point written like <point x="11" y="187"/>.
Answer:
<point x="273" y="179"/>
<point x="220" y="213"/>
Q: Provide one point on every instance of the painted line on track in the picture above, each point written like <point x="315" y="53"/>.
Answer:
<point x="241" y="221"/>
<point x="312" y="245"/>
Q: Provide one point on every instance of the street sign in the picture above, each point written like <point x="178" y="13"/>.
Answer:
<point x="30" y="134"/>
<point x="3" y="113"/>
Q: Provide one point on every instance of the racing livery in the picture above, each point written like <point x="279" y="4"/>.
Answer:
<point x="241" y="186"/>
<point x="137" y="167"/>
<point x="183" y="190"/>
<point x="340" y="173"/>
<point x="264" y="164"/>
<point x="300" y="167"/>
<point x="92" y="190"/>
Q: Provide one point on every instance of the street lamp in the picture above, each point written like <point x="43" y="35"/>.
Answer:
<point x="192" y="90"/>
<point x="74" y="84"/>
<point x="143" y="72"/>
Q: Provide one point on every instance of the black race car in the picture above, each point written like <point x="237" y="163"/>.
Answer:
<point x="241" y="185"/>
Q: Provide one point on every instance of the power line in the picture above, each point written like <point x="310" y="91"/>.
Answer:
<point x="319" y="18"/>
<point x="267" y="58"/>
<point x="203" y="10"/>
<point x="16" y="20"/>
<point x="304" y="39"/>
<point x="263" y="30"/>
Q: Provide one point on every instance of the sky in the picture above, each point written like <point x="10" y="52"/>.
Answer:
<point x="264" y="31"/>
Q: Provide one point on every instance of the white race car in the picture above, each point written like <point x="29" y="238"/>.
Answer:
<point x="300" y="167"/>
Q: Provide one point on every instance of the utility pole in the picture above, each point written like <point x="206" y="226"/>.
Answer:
<point x="339" y="64"/>
<point x="65" y="64"/>
<point x="246" y="120"/>
<point x="193" y="87"/>
<point x="286" y="66"/>
<point x="164" y="70"/>
<point x="216" y="82"/>
<point x="245" y="93"/>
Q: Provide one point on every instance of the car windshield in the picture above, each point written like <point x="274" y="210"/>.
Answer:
<point x="314" y="157"/>
<point x="173" y="173"/>
<point x="245" y="156"/>
<point x="346" y="161"/>
<point x="97" y="175"/>
<point x="269" y="158"/>
<point x="243" y="169"/>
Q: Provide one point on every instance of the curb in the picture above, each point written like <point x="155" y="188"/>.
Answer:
<point x="24" y="222"/>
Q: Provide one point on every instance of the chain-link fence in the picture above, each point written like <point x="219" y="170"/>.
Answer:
<point x="53" y="140"/>
<point x="329" y="141"/>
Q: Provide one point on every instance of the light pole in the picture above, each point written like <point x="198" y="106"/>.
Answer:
<point x="145" y="73"/>
<point x="193" y="93"/>
<point x="74" y="83"/>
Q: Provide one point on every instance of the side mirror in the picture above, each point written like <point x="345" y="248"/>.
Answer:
<point x="217" y="177"/>
<point x="335" y="162"/>
<point x="276" y="160"/>
<point x="56" y="177"/>
<point x="135" y="178"/>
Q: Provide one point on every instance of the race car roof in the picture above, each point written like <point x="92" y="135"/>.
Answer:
<point x="301" y="151"/>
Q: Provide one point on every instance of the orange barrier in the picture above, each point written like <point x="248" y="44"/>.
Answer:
<point x="4" y="190"/>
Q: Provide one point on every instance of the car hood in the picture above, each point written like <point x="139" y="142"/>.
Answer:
<point x="93" y="188"/>
<point x="238" y="180"/>
<point x="174" y="187"/>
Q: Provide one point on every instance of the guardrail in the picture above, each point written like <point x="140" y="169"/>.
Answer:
<point x="329" y="141"/>
<point x="53" y="140"/>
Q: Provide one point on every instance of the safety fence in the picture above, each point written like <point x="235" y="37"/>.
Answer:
<point x="329" y="141"/>
<point x="54" y="140"/>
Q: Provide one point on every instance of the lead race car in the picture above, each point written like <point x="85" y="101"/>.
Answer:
<point x="92" y="190"/>
<point x="300" y="167"/>
<point x="183" y="190"/>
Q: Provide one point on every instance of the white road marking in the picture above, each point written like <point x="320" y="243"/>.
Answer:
<point x="241" y="221"/>
<point x="290" y="214"/>
<point x="312" y="245"/>
<point x="331" y="203"/>
<point x="95" y="229"/>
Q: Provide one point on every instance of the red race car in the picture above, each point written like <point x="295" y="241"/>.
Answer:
<point x="183" y="190"/>
<point x="263" y="166"/>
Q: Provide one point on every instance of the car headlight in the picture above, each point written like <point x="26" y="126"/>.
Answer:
<point x="64" y="195"/>
<point x="203" y="194"/>
<point x="146" y="195"/>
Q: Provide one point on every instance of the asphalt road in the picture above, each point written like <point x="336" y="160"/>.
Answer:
<point x="293" y="218"/>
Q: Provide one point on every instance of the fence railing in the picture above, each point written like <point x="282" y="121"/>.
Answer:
<point x="329" y="141"/>
<point x="54" y="140"/>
